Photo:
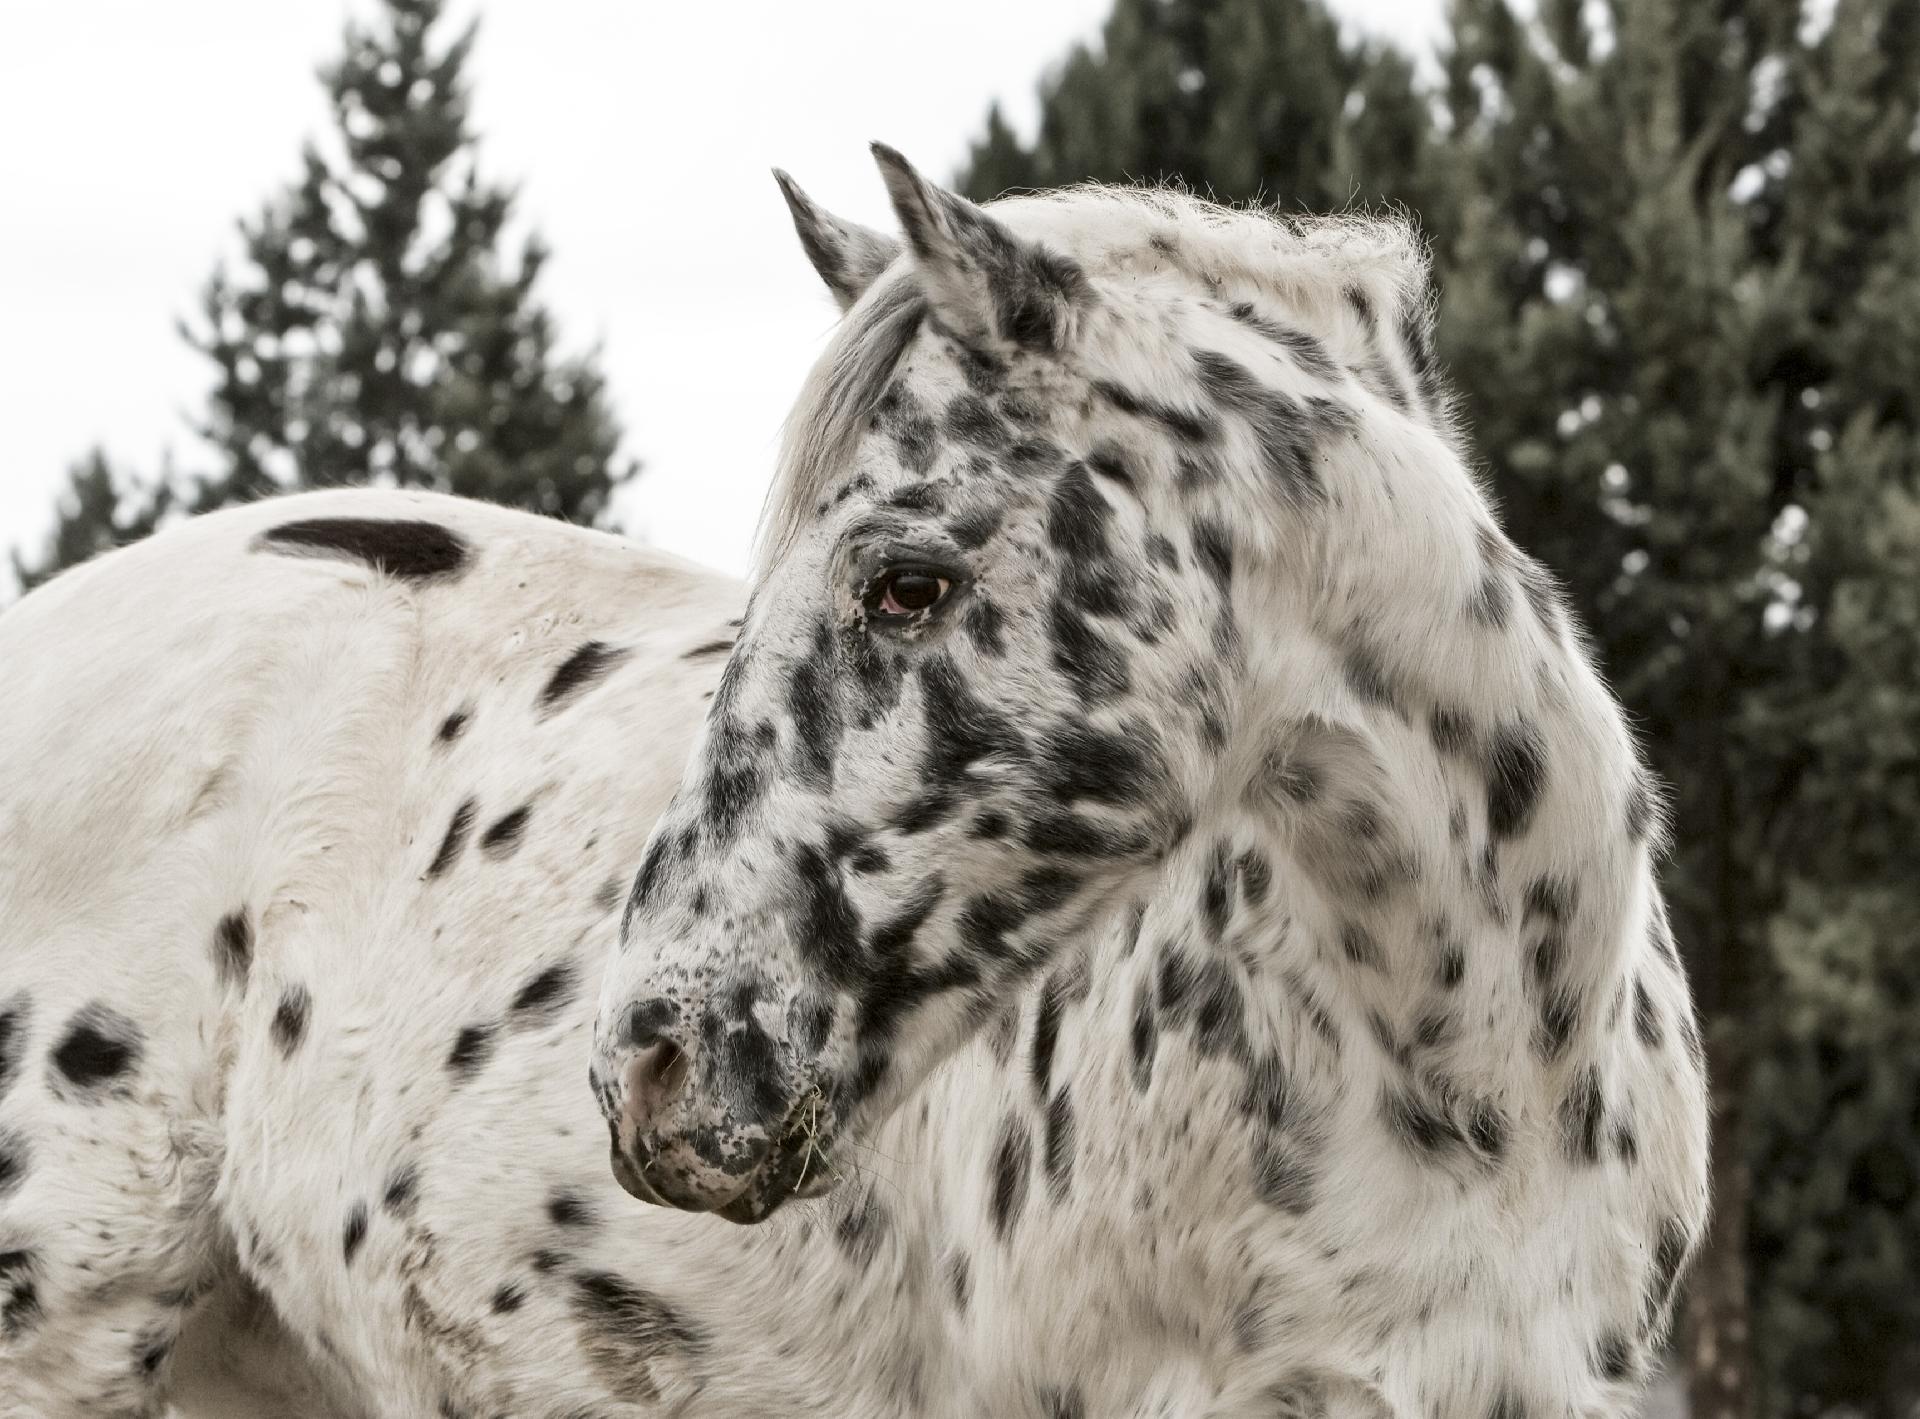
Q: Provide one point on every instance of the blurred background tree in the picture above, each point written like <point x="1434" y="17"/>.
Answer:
<point x="1244" y="99"/>
<point x="378" y="329"/>
<point x="100" y="509"/>
<point x="1678" y="244"/>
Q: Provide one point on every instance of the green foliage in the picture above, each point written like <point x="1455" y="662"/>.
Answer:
<point x="1679" y="248"/>
<point x="1243" y="98"/>
<point x="1836" y="1206"/>
<point x="379" y="330"/>
<point x="378" y="333"/>
<point x="99" y="510"/>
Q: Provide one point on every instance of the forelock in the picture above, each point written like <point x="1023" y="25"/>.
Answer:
<point x="842" y="390"/>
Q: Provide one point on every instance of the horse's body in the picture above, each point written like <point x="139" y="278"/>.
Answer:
<point x="228" y="775"/>
<point x="1368" y="1089"/>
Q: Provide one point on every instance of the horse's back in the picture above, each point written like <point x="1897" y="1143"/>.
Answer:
<point x="319" y="756"/>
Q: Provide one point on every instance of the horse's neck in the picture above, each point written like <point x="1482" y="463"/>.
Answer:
<point x="1419" y="828"/>
<point x="1449" y="756"/>
<point x="1028" y="1163"/>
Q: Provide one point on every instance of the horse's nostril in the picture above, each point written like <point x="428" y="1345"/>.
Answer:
<point x="655" y="1077"/>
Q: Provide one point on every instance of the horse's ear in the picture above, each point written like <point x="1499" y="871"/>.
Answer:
<point x="847" y="255"/>
<point x="982" y="280"/>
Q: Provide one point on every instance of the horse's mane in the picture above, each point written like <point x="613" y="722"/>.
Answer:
<point x="1313" y="266"/>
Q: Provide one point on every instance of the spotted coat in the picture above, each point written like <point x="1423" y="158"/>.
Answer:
<point x="1208" y="963"/>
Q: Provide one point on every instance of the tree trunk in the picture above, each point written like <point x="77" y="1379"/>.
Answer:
<point x="1717" y="1330"/>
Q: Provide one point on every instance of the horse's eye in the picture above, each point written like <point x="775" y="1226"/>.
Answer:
<point x="906" y="591"/>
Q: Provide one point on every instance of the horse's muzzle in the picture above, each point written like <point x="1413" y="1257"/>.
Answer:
<point x="693" y="1134"/>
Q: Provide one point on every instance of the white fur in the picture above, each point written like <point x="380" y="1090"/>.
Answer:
<point x="192" y="727"/>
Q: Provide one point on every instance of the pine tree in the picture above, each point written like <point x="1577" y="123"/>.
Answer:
<point x="377" y="333"/>
<point x="1243" y="99"/>
<point x="378" y="329"/>
<point x="100" y="509"/>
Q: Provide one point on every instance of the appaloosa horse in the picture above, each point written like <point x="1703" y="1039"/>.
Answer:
<point x="1159" y="918"/>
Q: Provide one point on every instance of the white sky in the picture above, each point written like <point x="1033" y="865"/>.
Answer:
<point x="133" y="134"/>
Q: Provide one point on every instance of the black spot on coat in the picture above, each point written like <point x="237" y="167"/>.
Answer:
<point x="972" y="420"/>
<point x="1613" y="1356"/>
<point x="13" y="1038"/>
<point x="1307" y="351"/>
<point x="567" y="1208"/>
<point x="577" y="673"/>
<point x="1451" y="730"/>
<point x="1011" y="1157"/>
<point x="1143" y="1038"/>
<point x="545" y="992"/>
<point x="627" y="1331"/>
<point x="736" y="775"/>
<point x="916" y="438"/>
<point x="1213" y="545"/>
<point x="403" y="1185"/>
<point x="290" y="1019"/>
<point x="1098" y="668"/>
<point x="1559" y="1014"/>
<point x="817" y="721"/>
<point x="100" y="1045"/>
<point x="1516" y="776"/>
<point x="233" y="948"/>
<point x="504" y="836"/>
<point x="1551" y="897"/>
<point x="1583" y="1117"/>
<point x="1046" y="1035"/>
<point x="985" y="627"/>
<point x="1367" y="677"/>
<point x="1282" y="1178"/>
<point x="1058" y="1147"/>
<point x="1216" y="893"/>
<point x="14" y="1158"/>
<point x="861" y="1230"/>
<point x="403" y="548"/>
<point x="19" y="1291"/>
<point x="652" y="867"/>
<point x="1109" y="463"/>
<point x="1646" y="1016"/>
<point x="959" y="1279"/>
<point x="1184" y="424"/>
<point x="1489" y="604"/>
<point x="974" y="528"/>
<point x="829" y="925"/>
<point x="455" y="839"/>
<point x="1285" y="429"/>
<point x="1420" y="1127"/>
<point x="962" y="729"/>
<point x="1488" y="1128"/>
<point x="354" y="1233"/>
<point x="1219" y="1012"/>
<point x="470" y="1049"/>
<point x="1358" y="945"/>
